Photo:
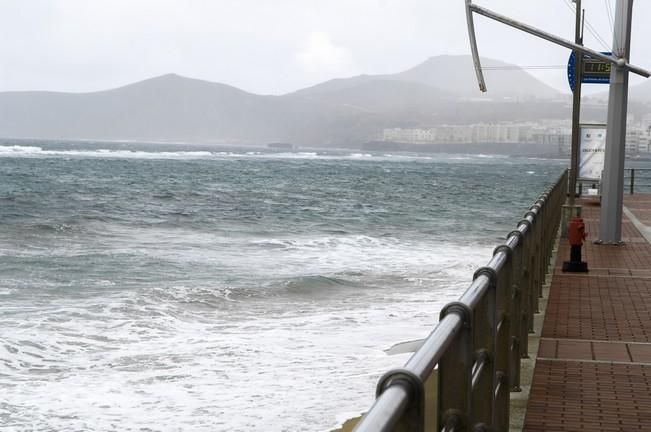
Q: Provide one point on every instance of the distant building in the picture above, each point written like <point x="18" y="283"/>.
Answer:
<point x="560" y="138"/>
<point x="502" y="133"/>
<point x="644" y="145"/>
<point x="550" y="133"/>
<point x="493" y="133"/>
<point x="410" y="136"/>
<point x="633" y="136"/>
<point x="646" y="123"/>
<point x="455" y="134"/>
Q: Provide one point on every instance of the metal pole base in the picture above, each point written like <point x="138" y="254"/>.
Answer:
<point x="575" y="267"/>
<point x="601" y="242"/>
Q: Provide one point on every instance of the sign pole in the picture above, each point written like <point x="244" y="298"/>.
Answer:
<point x="576" y="109"/>
<point x="610" y="228"/>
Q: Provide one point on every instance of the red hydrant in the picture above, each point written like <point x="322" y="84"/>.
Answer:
<point x="575" y="234"/>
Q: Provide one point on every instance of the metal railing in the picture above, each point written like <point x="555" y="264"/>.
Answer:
<point x="635" y="180"/>
<point x="479" y="339"/>
<point x="640" y="175"/>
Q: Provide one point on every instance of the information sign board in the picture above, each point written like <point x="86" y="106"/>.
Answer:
<point x="592" y="150"/>
<point x="595" y="71"/>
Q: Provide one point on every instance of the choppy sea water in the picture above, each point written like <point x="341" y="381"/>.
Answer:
<point x="163" y="288"/>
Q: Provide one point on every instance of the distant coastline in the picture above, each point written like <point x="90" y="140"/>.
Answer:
<point x="519" y="149"/>
<point x="282" y="146"/>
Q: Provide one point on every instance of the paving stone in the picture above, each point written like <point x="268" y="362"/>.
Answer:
<point x="640" y="353"/>
<point x="593" y="371"/>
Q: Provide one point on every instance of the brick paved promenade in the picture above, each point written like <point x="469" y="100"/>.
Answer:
<point x="593" y="371"/>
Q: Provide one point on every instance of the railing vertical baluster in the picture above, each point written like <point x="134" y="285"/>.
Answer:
<point x="516" y="313"/>
<point x="484" y="326"/>
<point x="542" y="214"/>
<point x="502" y="368"/>
<point x="455" y="374"/>
<point x="539" y="258"/>
<point x="632" y="180"/>
<point x="535" y="268"/>
<point x="535" y="252"/>
<point x="526" y="290"/>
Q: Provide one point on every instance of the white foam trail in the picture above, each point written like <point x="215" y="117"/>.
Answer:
<point x="30" y="151"/>
<point x="492" y="156"/>
<point x="34" y="151"/>
<point x="301" y="255"/>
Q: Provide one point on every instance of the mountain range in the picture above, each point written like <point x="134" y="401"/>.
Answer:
<point x="339" y="112"/>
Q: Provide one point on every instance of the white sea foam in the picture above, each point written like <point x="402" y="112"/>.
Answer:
<point x="172" y="359"/>
<point x="19" y="150"/>
<point x="407" y="156"/>
<point x="492" y="156"/>
<point x="299" y="254"/>
<point x="277" y="372"/>
<point x="27" y="151"/>
<point x="34" y="151"/>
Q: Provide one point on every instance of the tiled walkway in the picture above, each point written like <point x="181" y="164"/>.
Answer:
<point x="593" y="371"/>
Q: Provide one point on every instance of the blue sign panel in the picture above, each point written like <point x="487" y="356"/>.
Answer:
<point x="595" y="71"/>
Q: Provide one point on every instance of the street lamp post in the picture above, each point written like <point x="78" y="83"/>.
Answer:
<point x="613" y="177"/>
<point x="612" y="189"/>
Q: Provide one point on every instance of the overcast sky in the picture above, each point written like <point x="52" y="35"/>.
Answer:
<point x="274" y="46"/>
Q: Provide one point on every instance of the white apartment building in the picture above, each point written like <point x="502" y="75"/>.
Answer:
<point x="644" y="145"/>
<point x="453" y="134"/>
<point x="646" y="123"/>
<point x="502" y="133"/>
<point x="450" y="134"/>
<point x="638" y="137"/>
<point x="633" y="136"/>
<point x="410" y="136"/>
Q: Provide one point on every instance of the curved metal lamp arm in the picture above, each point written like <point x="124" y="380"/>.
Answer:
<point x="473" y="47"/>
<point x="470" y="8"/>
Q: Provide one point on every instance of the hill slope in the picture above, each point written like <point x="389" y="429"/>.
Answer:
<point x="456" y="76"/>
<point x="169" y="107"/>
<point x="337" y="112"/>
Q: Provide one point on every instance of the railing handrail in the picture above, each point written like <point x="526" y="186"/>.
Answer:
<point x="400" y="399"/>
<point x="630" y="176"/>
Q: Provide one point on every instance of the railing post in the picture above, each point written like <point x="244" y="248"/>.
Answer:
<point x="414" y="418"/>
<point x="543" y="204"/>
<point x="516" y="312"/>
<point x="484" y="325"/>
<point x="536" y="258"/>
<point x="503" y="373"/>
<point x="632" y="180"/>
<point x="526" y="287"/>
<point x="545" y="212"/>
<point x="455" y="374"/>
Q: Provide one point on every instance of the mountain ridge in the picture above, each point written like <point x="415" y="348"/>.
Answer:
<point x="337" y="112"/>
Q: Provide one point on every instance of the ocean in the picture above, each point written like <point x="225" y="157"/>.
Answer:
<point x="200" y="288"/>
